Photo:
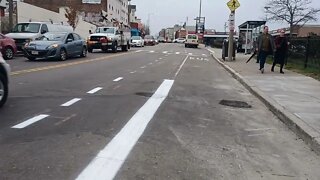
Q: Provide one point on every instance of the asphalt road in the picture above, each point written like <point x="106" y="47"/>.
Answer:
<point x="152" y="113"/>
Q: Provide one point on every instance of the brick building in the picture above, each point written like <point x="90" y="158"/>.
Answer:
<point x="91" y="10"/>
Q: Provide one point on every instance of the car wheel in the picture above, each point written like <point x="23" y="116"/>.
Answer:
<point x="3" y="90"/>
<point x="90" y="50"/>
<point x="115" y="47"/>
<point x="31" y="58"/>
<point x="63" y="55"/>
<point x="84" y="52"/>
<point x="8" y="53"/>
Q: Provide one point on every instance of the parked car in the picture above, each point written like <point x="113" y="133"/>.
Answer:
<point x="192" y="41"/>
<point x="8" y="47"/>
<point x="137" y="41"/>
<point x="149" y="40"/>
<point x="4" y="80"/>
<point x="56" y="45"/>
<point x="25" y="32"/>
<point x="161" y="40"/>
<point x="179" y="40"/>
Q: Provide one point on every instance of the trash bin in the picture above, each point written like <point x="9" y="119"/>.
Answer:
<point x="225" y="49"/>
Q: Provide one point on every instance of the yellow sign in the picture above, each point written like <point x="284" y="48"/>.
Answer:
<point x="233" y="4"/>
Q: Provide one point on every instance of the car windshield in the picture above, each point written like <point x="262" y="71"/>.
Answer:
<point x="148" y="37"/>
<point x="105" y="30"/>
<point x="192" y="37"/>
<point x="52" y="37"/>
<point x="26" y="28"/>
<point x="136" y="38"/>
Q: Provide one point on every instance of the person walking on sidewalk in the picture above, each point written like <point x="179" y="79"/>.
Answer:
<point x="281" y="43"/>
<point x="265" y="47"/>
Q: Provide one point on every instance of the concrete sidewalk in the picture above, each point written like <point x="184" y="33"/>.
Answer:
<point x="293" y="97"/>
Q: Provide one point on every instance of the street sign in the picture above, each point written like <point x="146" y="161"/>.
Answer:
<point x="232" y="21"/>
<point x="233" y="4"/>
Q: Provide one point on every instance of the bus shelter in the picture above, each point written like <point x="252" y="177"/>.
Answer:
<point x="248" y="34"/>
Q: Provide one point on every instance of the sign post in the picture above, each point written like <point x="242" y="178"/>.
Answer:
<point x="233" y="5"/>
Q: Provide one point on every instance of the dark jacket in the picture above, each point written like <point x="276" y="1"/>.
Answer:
<point x="271" y="41"/>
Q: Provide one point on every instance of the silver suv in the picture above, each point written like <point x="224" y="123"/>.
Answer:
<point x="4" y="80"/>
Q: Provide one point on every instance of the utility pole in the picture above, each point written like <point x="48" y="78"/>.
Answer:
<point x="231" y="26"/>
<point x="10" y="14"/>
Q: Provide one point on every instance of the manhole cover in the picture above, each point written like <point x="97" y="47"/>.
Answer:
<point x="237" y="104"/>
<point x="145" y="94"/>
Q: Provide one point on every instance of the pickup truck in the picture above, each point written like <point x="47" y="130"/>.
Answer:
<point x="106" y="38"/>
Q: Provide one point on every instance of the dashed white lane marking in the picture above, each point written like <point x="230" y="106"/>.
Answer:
<point x="139" y="51"/>
<point x="177" y="52"/>
<point x="150" y="63"/>
<point x="160" y="58"/>
<point x="151" y="51"/>
<point x="184" y="61"/>
<point x="204" y="55"/>
<point x="118" y="79"/>
<point x="189" y="53"/>
<point x="156" y="60"/>
<point x="94" y="90"/>
<point x="30" y="121"/>
<point x="109" y="160"/>
<point x="71" y="102"/>
<point x="142" y="67"/>
<point x="132" y="72"/>
<point x="165" y="52"/>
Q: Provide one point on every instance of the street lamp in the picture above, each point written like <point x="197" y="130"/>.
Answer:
<point x="267" y="9"/>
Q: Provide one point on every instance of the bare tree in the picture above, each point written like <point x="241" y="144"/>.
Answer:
<point x="294" y="12"/>
<point x="72" y="14"/>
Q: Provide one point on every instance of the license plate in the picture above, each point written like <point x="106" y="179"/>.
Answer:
<point x="34" y="52"/>
<point x="104" y="44"/>
<point x="93" y="42"/>
<point x="193" y="41"/>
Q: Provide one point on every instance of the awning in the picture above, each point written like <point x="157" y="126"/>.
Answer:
<point x="252" y="24"/>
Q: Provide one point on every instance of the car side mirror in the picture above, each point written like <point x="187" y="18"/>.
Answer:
<point x="69" y="40"/>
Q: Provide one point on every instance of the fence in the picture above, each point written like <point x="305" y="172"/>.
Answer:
<point x="305" y="52"/>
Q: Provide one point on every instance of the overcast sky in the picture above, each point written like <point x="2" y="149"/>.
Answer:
<point x="166" y="13"/>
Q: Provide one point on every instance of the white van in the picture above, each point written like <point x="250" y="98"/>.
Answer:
<point x="29" y="31"/>
<point x="192" y="40"/>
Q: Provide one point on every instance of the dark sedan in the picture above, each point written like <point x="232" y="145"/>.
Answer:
<point x="56" y="45"/>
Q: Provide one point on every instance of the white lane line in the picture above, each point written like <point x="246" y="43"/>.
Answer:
<point x="156" y="60"/>
<point x="165" y="52"/>
<point x="160" y="58"/>
<point x="133" y="72"/>
<point x="184" y="61"/>
<point x="151" y="51"/>
<point x="177" y="52"/>
<point x="189" y="53"/>
<point x="30" y="121"/>
<point x="204" y="55"/>
<point x="118" y="79"/>
<point x="139" y="51"/>
<point x="71" y="102"/>
<point x="150" y="63"/>
<point x="142" y="67"/>
<point x="94" y="90"/>
<point x="109" y="160"/>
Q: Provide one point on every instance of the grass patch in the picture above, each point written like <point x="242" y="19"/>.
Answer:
<point x="312" y="71"/>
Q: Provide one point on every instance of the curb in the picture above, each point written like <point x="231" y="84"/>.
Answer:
<point x="298" y="126"/>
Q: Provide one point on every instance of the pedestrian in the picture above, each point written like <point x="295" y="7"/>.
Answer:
<point x="281" y="43"/>
<point x="265" y="47"/>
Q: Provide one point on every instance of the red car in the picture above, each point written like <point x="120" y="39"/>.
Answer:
<point x="149" y="40"/>
<point x="8" y="47"/>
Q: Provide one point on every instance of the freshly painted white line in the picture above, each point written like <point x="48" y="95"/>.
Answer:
<point x="94" y="90"/>
<point x="109" y="160"/>
<point x="118" y="79"/>
<point x="30" y="121"/>
<point x="184" y="61"/>
<point x="69" y="103"/>
<point x="142" y="67"/>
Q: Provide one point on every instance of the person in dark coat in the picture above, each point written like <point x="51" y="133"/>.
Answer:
<point x="265" y="47"/>
<point x="281" y="51"/>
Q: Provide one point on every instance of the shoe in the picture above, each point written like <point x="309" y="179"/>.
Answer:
<point x="262" y="70"/>
<point x="281" y="72"/>
<point x="272" y="69"/>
